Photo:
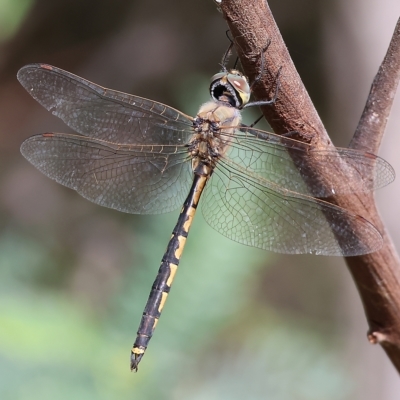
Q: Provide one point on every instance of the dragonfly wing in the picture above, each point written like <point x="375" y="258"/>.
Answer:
<point x="104" y="113"/>
<point x="133" y="179"/>
<point x="254" y="212"/>
<point x="284" y="161"/>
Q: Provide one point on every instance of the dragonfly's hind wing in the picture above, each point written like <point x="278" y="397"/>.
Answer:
<point x="255" y="212"/>
<point x="104" y="113"/>
<point x="284" y="161"/>
<point x="134" y="179"/>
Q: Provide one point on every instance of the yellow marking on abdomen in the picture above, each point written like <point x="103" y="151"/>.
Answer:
<point x="190" y="213"/>
<point x="155" y="323"/>
<point x="164" y="296"/>
<point x="179" y="250"/>
<point x="173" y="268"/>
<point x="137" y="350"/>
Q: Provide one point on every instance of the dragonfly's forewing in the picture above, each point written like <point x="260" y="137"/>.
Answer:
<point x="102" y="113"/>
<point x="132" y="156"/>
<point x="134" y="179"/>
<point x="267" y="155"/>
<point x="255" y="212"/>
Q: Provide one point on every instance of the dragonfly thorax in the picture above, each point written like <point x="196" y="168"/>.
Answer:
<point x="214" y="127"/>
<point x="230" y="87"/>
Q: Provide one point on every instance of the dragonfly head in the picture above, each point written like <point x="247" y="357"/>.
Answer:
<point x="230" y="87"/>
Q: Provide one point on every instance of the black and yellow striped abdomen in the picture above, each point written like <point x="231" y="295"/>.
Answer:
<point x="166" y="273"/>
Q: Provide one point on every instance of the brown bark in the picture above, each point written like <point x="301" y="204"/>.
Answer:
<point x="376" y="275"/>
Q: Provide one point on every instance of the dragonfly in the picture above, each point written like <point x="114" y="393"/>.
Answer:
<point x="143" y="157"/>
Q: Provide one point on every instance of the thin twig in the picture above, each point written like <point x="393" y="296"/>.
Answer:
<point x="372" y="124"/>
<point x="377" y="275"/>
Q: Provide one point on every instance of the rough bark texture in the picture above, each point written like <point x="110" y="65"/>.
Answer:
<point x="376" y="275"/>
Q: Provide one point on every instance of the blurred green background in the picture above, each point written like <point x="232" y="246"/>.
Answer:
<point x="240" y="322"/>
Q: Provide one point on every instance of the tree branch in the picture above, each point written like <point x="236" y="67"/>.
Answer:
<point x="376" y="275"/>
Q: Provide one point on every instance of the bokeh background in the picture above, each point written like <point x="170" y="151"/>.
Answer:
<point x="74" y="277"/>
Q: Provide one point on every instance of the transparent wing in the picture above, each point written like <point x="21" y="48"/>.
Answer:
<point x="266" y="154"/>
<point x="255" y="212"/>
<point x="134" y="179"/>
<point x="104" y="113"/>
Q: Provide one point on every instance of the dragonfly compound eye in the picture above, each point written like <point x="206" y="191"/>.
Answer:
<point x="241" y="86"/>
<point x="230" y="87"/>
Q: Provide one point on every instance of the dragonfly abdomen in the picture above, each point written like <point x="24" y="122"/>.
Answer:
<point x="166" y="273"/>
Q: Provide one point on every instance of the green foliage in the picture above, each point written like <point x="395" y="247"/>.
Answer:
<point x="213" y="341"/>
